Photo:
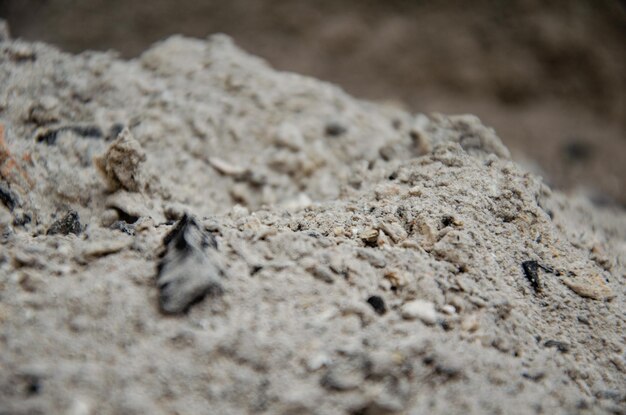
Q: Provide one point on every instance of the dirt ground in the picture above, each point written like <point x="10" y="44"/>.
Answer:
<point x="551" y="78"/>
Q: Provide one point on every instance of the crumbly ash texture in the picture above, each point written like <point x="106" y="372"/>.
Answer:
<point x="369" y="261"/>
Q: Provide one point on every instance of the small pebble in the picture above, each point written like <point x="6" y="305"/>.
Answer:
<point x="109" y="217"/>
<point x="395" y="278"/>
<point x="448" y="309"/>
<point x="290" y="136"/>
<point x="317" y="361"/>
<point x="342" y="377"/>
<point x="226" y="168"/>
<point x="97" y="249"/>
<point x="420" y="309"/>
<point x="592" y="287"/>
<point x="584" y="320"/>
<point x="375" y="258"/>
<point x="238" y="212"/>
<point x="121" y="164"/>
<point x="322" y="273"/>
<point x="369" y="236"/>
<point x="395" y="231"/>
<point x="470" y="324"/>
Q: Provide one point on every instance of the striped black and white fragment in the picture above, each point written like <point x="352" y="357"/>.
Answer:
<point x="190" y="267"/>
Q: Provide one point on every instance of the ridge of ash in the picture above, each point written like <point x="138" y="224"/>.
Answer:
<point x="190" y="267"/>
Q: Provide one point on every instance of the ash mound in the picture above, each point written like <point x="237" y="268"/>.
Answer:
<point x="194" y="232"/>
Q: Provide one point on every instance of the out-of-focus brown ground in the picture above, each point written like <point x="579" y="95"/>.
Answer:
<point x="551" y="78"/>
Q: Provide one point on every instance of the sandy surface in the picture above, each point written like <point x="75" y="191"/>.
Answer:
<point x="193" y="232"/>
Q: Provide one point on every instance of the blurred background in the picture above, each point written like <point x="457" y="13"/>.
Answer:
<point x="549" y="76"/>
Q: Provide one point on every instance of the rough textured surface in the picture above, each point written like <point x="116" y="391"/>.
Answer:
<point x="374" y="258"/>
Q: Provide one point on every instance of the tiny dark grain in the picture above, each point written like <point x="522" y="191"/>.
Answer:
<point x="334" y="129"/>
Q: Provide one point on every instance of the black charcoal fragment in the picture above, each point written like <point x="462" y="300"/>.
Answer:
<point x="531" y="271"/>
<point x="114" y="131"/>
<point x="378" y="304"/>
<point x="49" y="136"/>
<point x="190" y="268"/>
<point x="70" y="223"/>
<point x="447" y="220"/>
<point x="33" y="386"/>
<point x="88" y="131"/>
<point x="8" y="198"/>
<point x="30" y="383"/>
<point x="535" y="377"/>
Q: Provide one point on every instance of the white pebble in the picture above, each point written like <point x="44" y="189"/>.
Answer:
<point x="420" y="309"/>
<point x="448" y="309"/>
<point x="317" y="361"/>
<point x="238" y="211"/>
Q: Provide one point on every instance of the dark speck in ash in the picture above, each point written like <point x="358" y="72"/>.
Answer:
<point x="378" y="304"/>
<point x="334" y="129"/>
<point x="531" y="272"/>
